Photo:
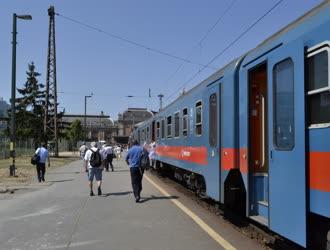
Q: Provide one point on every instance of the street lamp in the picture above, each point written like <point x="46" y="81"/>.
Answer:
<point x="13" y="93"/>
<point x="86" y="96"/>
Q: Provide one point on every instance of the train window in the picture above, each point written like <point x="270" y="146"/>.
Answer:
<point x="157" y="130"/>
<point x="198" y="118"/>
<point x="213" y="120"/>
<point x="177" y="124"/>
<point x="185" y="122"/>
<point x="317" y="77"/>
<point x="283" y="105"/>
<point x="169" y="126"/>
<point x="163" y="128"/>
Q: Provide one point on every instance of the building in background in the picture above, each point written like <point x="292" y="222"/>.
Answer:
<point x="129" y="118"/>
<point x="103" y="128"/>
<point x="99" y="127"/>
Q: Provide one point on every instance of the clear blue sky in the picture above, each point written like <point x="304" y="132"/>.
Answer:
<point x="89" y="61"/>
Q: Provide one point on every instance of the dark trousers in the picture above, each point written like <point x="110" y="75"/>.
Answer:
<point x="41" y="170"/>
<point x="136" y="178"/>
<point x="108" y="161"/>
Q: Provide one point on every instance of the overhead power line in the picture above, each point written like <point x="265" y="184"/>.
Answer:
<point x="134" y="43"/>
<point x="202" y="39"/>
<point x="226" y="48"/>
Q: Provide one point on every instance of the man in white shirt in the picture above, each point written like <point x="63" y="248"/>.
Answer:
<point x="93" y="163"/>
<point x="107" y="155"/>
<point x="82" y="150"/>
<point x="42" y="152"/>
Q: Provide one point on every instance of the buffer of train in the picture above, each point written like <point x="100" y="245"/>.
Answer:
<point x="255" y="135"/>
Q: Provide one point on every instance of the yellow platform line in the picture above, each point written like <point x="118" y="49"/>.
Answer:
<point x="213" y="234"/>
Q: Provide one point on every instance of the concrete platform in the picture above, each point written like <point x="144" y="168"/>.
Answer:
<point x="62" y="215"/>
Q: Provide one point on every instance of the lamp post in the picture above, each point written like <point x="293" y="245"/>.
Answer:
<point x="13" y="93"/>
<point x="85" y="127"/>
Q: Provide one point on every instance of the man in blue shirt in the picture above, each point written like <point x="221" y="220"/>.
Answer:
<point x="41" y="165"/>
<point x="133" y="159"/>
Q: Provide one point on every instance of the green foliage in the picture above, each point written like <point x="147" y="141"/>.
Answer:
<point x="75" y="133"/>
<point x="30" y="108"/>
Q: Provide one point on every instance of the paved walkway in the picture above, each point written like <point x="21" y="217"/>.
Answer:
<point x="61" y="215"/>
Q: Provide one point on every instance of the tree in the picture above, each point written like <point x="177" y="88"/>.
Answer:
<point x="30" y="108"/>
<point x="75" y="133"/>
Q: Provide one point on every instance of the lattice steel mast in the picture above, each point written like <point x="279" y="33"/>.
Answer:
<point x="50" y="119"/>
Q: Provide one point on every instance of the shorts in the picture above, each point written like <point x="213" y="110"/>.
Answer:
<point x="97" y="172"/>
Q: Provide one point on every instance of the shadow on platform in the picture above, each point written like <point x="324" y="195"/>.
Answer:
<point x="117" y="194"/>
<point x="76" y="172"/>
<point x="152" y="197"/>
<point x="61" y="180"/>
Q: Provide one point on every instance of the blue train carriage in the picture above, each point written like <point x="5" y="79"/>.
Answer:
<point x="255" y="135"/>
<point x="284" y="127"/>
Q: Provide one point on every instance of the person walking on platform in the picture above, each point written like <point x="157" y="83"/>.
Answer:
<point x="118" y="152"/>
<point x="93" y="162"/>
<point x="82" y="150"/>
<point x="133" y="159"/>
<point x="43" y="154"/>
<point x="107" y="153"/>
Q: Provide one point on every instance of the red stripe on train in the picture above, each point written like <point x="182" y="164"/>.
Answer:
<point x="196" y="155"/>
<point x="319" y="171"/>
<point x="228" y="156"/>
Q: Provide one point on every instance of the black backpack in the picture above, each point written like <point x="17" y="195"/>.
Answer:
<point x="95" y="160"/>
<point x="35" y="159"/>
<point x="144" y="159"/>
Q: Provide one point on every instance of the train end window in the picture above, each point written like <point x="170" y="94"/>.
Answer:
<point x="198" y="118"/>
<point x="318" y="85"/>
<point x="185" y="122"/>
<point x="158" y="130"/>
<point x="177" y="125"/>
<point x="163" y="129"/>
<point x="169" y="126"/>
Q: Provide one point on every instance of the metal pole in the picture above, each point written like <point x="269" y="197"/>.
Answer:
<point x="13" y="98"/>
<point x="160" y="101"/>
<point x="85" y="128"/>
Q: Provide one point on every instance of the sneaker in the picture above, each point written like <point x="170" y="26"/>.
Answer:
<point x="137" y="199"/>
<point x="91" y="193"/>
<point x="99" y="192"/>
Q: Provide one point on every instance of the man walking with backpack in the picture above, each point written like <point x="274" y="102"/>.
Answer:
<point x="93" y="163"/>
<point x="135" y="156"/>
<point x="42" y="152"/>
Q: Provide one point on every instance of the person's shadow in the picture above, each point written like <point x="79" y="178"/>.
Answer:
<point x="117" y="194"/>
<point x="153" y="197"/>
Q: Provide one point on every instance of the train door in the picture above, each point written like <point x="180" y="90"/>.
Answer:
<point x="258" y="143"/>
<point x="287" y="149"/>
<point x="213" y="138"/>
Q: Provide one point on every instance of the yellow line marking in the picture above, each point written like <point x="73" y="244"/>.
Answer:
<point x="213" y="234"/>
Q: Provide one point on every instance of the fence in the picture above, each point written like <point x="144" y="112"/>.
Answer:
<point x="27" y="147"/>
<point x="23" y="148"/>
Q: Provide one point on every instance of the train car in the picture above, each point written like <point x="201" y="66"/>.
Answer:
<point x="255" y="135"/>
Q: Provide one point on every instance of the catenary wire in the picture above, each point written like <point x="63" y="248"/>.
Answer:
<point x="121" y="38"/>
<point x="201" y="40"/>
<point x="226" y="48"/>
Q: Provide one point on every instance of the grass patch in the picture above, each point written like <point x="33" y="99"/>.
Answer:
<point x="25" y="170"/>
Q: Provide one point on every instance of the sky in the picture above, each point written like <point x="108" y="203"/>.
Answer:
<point x="89" y="61"/>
